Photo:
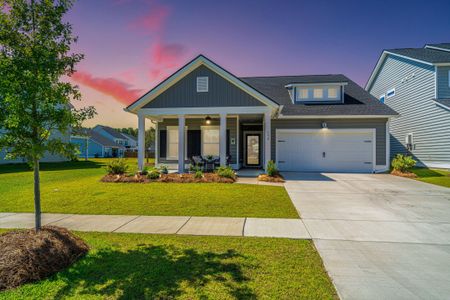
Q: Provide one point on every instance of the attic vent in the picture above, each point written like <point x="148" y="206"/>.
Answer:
<point x="202" y="84"/>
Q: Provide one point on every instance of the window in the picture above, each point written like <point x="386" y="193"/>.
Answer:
<point x="448" y="78"/>
<point x="202" y="84"/>
<point x="318" y="93"/>
<point x="390" y="93"/>
<point x="210" y="140"/>
<point x="172" y="142"/>
<point x="382" y="98"/>
<point x="332" y="93"/>
<point x="302" y="94"/>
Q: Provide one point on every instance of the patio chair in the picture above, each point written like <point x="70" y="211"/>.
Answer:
<point x="197" y="161"/>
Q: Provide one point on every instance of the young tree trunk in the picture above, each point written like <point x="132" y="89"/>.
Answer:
<point x="37" y="196"/>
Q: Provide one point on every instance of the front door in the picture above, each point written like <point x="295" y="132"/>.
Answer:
<point x="252" y="149"/>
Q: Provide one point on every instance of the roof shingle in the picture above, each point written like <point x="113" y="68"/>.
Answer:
<point x="424" y="54"/>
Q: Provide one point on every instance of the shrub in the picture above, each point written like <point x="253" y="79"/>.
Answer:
<point x="164" y="169"/>
<point x="194" y="168"/>
<point x="117" y="166"/>
<point x="198" y="174"/>
<point x="226" y="172"/>
<point x="144" y="170"/>
<point x="403" y="163"/>
<point x="153" y="173"/>
<point x="272" y="169"/>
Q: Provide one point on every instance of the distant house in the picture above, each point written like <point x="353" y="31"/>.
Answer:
<point x="415" y="82"/>
<point x="111" y="134"/>
<point x="131" y="142"/>
<point x="92" y="144"/>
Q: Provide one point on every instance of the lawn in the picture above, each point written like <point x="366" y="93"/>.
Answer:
<point x="433" y="176"/>
<point x="74" y="187"/>
<point x="139" y="266"/>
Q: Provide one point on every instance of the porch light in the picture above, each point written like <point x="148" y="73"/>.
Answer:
<point x="324" y="125"/>
<point x="208" y="120"/>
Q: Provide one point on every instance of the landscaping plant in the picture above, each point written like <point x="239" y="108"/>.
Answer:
<point x="272" y="169"/>
<point x="198" y="174"/>
<point x="35" y="55"/>
<point x="403" y="163"/>
<point x="226" y="172"/>
<point x="153" y="173"/>
<point x="164" y="169"/>
<point x="117" y="167"/>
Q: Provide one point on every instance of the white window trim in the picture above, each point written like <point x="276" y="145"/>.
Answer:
<point x="167" y="142"/>
<point x="382" y="96"/>
<point x="206" y="128"/>
<point x="448" y="78"/>
<point x="324" y="97"/>
<point x="390" y="91"/>
<point x="207" y="84"/>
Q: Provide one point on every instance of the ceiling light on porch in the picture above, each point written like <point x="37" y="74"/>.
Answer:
<point x="324" y="125"/>
<point x="208" y="120"/>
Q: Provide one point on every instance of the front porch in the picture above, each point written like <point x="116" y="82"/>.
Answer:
<point x="241" y="140"/>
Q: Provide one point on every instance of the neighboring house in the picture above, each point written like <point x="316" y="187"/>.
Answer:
<point x="131" y="141"/>
<point x="303" y="123"/>
<point x="415" y="82"/>
<point x="111" y="134"/>
<point x="93" y="144"/>
<point x="48" y="157"/>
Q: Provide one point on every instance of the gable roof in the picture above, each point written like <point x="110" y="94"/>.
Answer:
<point x="186" y="69"/>
<point x="112" y="132"/>
<point x="357" y="101"/>
<point x="441" y="46"/>
<point x="97" y="137"/>
<point x="129" y="136"/>
<point x="431" y="54"/>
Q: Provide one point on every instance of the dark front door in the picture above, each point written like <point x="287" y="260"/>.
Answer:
<point x="252" y="149"/>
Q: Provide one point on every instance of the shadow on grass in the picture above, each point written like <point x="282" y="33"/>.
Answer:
<point x="425" y="172"/>
<point x="155" y="272"/>
<point x="56" y="166"/>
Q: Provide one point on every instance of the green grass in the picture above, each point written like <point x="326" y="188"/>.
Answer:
<point x="433" y="176"/>
<point x="139" y="266"/>
<point x="75" y="187"/>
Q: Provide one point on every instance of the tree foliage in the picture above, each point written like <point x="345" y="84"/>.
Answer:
<point x="35" y="95"/>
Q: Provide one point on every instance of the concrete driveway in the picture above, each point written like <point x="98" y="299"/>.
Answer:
<point x="380" y="236"/>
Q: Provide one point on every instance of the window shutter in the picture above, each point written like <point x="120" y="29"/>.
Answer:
<point x="202" y="84"/>
<point x="162" y="143"/>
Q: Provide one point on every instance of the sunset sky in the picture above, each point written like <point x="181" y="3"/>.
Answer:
<point x="131" y="45"/>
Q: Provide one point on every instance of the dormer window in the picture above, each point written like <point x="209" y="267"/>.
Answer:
<point x="315" y="93"/>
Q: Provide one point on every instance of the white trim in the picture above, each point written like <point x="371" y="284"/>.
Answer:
<point x="156" y="143"/>
<point x="435" y="83"/>
<point x="182" y="145"/>
<point x="267" y="139"/>
<point x="238" y="148"/>
<point x="206" y="127"/>
<point x="223" y="140"/>
<point x="442" y="64"/>
<point x="448" y="75"/>
<point x="381" y="168"/>
<point x="229" y="110"/>
<point x="437" y="48"/>
<point x="177" y="76"/>
<point x="281" y="116"/>
<point x="382" y="96"/>
<point x="141" y="142"/>
<point x="206" y="78"/>
<point x="336" y="83"/>
<point x="175" y="127"/>
<point x="388" y="143"/>
<point x="261" y="149"/>
<point x="441" y="105"/>
<point x="361" y="130"/>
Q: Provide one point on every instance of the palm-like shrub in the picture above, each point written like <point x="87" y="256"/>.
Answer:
<point x="117" y="166"/>
<point x="153" y="173"/>
<point x="226" y="172"/>
<point x="198" y="174"/>
<point x="272" y="169"/>
<point x="403" y="163"/>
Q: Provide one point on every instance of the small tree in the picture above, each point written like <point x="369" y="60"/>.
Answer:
<point x="34" y="101"/>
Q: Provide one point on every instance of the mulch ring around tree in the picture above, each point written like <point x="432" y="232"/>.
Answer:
<point x="267" y="178"/>
<point x="27" y="256"/>
<point x="403" y="174"/>
<point x="177" y="178"/>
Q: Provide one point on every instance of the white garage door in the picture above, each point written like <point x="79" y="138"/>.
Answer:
<point x="325" y="150"/>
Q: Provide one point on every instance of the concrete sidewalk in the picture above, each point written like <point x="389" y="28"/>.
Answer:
<point x="218" y="226"/>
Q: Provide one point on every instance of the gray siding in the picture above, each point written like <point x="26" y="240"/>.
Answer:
<point x="195" y="124"/>
<point x="443" y="83"/>
<point x="378" y="124"/>
<point x="221" y="93"/>
<point x="429" y="123"/>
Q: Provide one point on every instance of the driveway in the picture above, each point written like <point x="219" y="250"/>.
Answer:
<point x="380" y="236"/>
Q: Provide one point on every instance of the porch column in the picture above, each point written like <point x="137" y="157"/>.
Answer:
<point x="181" y="141"/>
<point x="223" y="140"/>
<point x="267" y="140"/>
<point x="156" y="144"/>
<point x="141" y="141"/>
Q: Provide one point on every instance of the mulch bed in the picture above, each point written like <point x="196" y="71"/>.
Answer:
<point x="403" y="174"/>
<point x="27" y="256"/>
<point x="177" y="178"/>
<point x="267" y="178"/>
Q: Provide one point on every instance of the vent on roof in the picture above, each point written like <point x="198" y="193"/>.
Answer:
<point x="202" y="84"/>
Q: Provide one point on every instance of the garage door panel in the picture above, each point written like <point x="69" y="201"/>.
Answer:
<point x="330" y="150"/>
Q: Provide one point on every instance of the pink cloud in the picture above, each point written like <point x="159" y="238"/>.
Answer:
<point x="117" y="89"/>
<point x="165" y="57"/>
<point x="154" y="21"/>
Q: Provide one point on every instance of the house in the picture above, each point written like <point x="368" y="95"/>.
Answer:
<point x="48" y="157"/>
<point x="304" y="123"/>
<point x="415" y="82"/>
<point x="111" y="134"/>
<point x="93" y="144"/>
<point x="130" y="141"/>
